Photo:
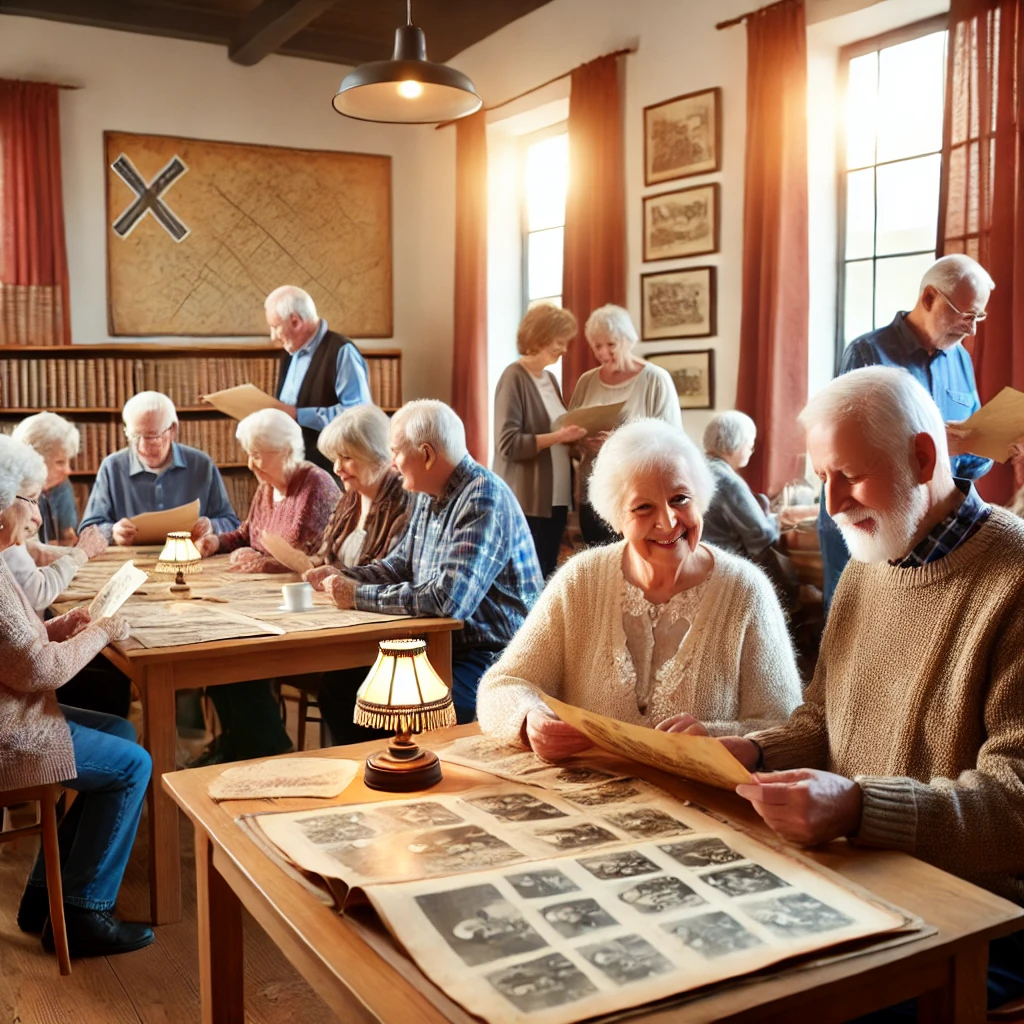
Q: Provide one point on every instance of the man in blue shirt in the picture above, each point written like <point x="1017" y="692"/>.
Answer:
<point x="927" y="343"/>
<point x="155" y="473"/>
<point x="322" y="372"/>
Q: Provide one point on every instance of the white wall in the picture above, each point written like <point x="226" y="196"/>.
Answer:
<point x="140" y="83"/>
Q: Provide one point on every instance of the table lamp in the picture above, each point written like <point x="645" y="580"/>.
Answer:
<point x="404" y="693"/>
<point x="179" y="556"/>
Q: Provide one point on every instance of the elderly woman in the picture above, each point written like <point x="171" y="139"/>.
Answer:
<point x="57" y="441"/>
<point x="652" y="628"/>
<point x="529" y="454"/>
<point x="644" y="389"/>
<point x="44" y="742"/>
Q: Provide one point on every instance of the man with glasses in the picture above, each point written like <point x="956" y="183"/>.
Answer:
<point x="155" y="473"/>
<point x="927" y="343"/>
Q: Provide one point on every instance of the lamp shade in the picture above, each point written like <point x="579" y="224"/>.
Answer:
<point x="403" y="691"/>
<point x="179" y="554"/>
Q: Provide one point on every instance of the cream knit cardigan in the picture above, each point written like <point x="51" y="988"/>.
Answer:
<point x="734" y="670"/>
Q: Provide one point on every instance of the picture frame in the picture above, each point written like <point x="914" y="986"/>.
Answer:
<point x="682" y="136"/>
<point x="681" y="223"/>
<point x="678" y="303"/>
<point x="693" y="373"/>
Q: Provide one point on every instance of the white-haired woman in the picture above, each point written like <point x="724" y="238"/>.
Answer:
<point x="58" y="442"/>
<point x="651" y="630"/>
<point x="645" y="391"/>
<point x="42" y="741"/>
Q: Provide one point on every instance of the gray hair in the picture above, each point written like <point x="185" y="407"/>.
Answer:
<point x="146" y="402"/>
<point x="272" y="430"/>
<point x="640" y="447"/>
<point x="21" y="468"/>
<point x="428" y="421"/>
<point x="946" y="273"/>
<point x="889" y="403"/>
<point x="728" y="432"/>
<point x="288" y="299"/>
<point x="361" y="432"/>
<point x="614" y="323"/>
<point x="47" y="432"/>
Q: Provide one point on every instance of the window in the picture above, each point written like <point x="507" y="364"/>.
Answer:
<point x="890" y="160"/>
<point x="546" y="171"/>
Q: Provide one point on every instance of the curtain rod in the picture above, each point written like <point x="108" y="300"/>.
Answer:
<point x="543" y="85"/>
<point x="31" y="81"/>
<point x="743" y="17"/>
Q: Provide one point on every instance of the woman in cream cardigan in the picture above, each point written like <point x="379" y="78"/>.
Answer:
<point x="653" y="627"/>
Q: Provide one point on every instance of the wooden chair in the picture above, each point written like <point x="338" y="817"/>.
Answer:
<point x="302" y="690"/>
<point x="46" y="798"/>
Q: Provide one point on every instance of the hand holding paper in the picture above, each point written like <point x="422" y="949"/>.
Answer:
<point x="992" y="431"/>
<point x="280" y="549"/>
<point x="241" y="401"/>
<point x="153" y="527"/>
<point x="593" y="418"/>
<point x="116" y="591"/>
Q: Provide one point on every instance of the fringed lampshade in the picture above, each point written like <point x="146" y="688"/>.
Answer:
<point x="179" y="556"/>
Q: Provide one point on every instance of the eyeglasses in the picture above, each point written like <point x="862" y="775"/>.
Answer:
<point x="971" y="317"/>
<point x="30" y="501"/>
<point x="140" y="438"/>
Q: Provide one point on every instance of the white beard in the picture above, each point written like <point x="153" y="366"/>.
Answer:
<point x="893" y="532"/>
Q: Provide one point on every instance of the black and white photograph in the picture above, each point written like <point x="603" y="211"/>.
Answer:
<point x="479" y="924"/>
<point x="533" y="885"/>
<point x="623" y="864"/>
<point x="681" y="223"/>
<point x="657" y="895"/>
<point x="577" y="917"/>
<point x="678" y="304"/>
<point x="712" y="935"/>
<point x="542" y="984"/>
<point x="606" y="793"/>
<point x="331" y="829"/>
<point x="517" y="807"/>
<point x="576" y="837"/>
<point x="581" y="775"/>
<point x="701" y="853"/>
<point x="423" y="814"/>
<point x="681" y="136"/>
<point x="647" y="823"/>
<point x="628" y="959"/>
<point x="692" y="373"/>
<point x="743" y="880"/>
<point x="796" y="915"/>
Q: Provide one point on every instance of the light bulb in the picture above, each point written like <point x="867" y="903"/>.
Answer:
<point x="410" y="89"/>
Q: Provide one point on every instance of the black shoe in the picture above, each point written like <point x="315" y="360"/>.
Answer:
<point x="98" y="933"/>
<point x="34" y="909"/>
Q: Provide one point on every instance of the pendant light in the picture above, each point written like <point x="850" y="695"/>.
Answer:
<point x="408" y="89"/>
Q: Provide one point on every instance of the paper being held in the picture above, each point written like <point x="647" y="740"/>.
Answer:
<point x="116" y="591"/>
<point x="241" y="401"/>
<point x="153" y="527"/>
<point x="996" y="426"/>
<point x="280" y="549"/>
<point x="593" y="418"/>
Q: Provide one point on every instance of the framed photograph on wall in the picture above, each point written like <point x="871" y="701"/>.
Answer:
<point x="677" y="304"/>
<point x="681" y="136"/>
<point x="693" y="374"/>
<point x="681" y="223"/>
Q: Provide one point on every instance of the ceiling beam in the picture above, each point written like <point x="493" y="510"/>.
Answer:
<point x="271" y="25"/>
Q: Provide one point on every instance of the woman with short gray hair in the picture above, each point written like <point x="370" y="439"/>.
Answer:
<point x="657" y="629"/>
<point x="58" y="442"/>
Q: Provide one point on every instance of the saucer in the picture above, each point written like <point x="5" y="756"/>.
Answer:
<point x="296" y="611"/>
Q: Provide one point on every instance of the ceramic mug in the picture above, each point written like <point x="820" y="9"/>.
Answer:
<point x="297" y="597"/>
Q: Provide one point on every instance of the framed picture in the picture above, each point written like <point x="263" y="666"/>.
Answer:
<point x="681" y="136"/>
<point x="677" y="304"/>
<point x="681" y="223"/>
<point x="693" y="374"/>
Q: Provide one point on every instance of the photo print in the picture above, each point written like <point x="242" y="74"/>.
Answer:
<point x="542" y="984"/>
<point x="743" y="880"/>
<point x="647" y="823"/>
<point x="423" y="814"/>
<point x="628" y="959"/>
<point x="658" y="895"/>
<point x="576" y="837"/>
<point x="692" y="373"/>
<point x="712" y="935"/>
<point x="333" y="829"/>
<point x="681" y="136"/>
<point x="517" y="807"/>
<point x="581" y="775"/>
<point x="577" y="917"/>
<point x="607" y="793"/>
<point x="624" y="864"/>
<point x="701" y="853"/>
<point x="678" y="304"/>
<point x="533" y="885"/>
<point x="479" y="924"/>
<point x="681" y="223"/>
<point x="795" y="916"/>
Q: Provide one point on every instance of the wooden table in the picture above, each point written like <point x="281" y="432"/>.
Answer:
<point x="361" y="974"/>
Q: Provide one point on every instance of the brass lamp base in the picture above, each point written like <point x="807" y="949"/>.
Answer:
<point x="402" y="768"/>
<point x="179" y="588"/>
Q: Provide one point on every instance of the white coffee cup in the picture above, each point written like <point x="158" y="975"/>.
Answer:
<point x="297" y="597"/>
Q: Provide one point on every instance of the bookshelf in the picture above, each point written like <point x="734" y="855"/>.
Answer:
<point x="89" y="384"/>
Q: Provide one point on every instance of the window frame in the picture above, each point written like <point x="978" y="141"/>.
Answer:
<point x="526" y="141"/>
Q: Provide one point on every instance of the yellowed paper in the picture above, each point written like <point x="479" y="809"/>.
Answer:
<point x="153" y="527"/>
<point x="698" y="758"/>
<point x="594" y="418"/>
<point x="281" y="777"/>
<point x="241" y="401"/>
<point x="996" y="425"/>
<point x="280" y="549"/>
<point x="116" y="591"/>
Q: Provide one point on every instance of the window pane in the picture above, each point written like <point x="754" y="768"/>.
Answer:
<point x="857" y="300"/>
<point x="897" y="281"/>
<point x="860" y="110"/>
<point x="860" y="214"/>
<point x="908" y="205"/>
<point x="544" y="260"/>
<point x="547" y="169"/>
<point x="910" y="97"/>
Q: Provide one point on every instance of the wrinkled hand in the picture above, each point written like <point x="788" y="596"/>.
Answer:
<point x="806" y="806"/>
<point x="685" y="724"/>
<point x="318" y="576"/>
<point x="550" y="738"/>
<point x="341" y="590"/>
<point x="959" y="438"/>
<point x="65" y="626"/>
<point x="208" y="544"/>
<point x="246" y="560"/>
<point x="1017" y="451"/>
<point x="201" y="528"/>
<point x="115" y="626"/>
<point x="570" y="434"/>
<point x="124" y="532"/>
<point x="594" y="442"/>
<point x="92" y="542"/>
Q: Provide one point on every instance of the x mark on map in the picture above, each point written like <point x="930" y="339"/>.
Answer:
<point x="148" y="197"/>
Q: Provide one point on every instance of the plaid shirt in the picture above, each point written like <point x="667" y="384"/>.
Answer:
<point x="960" y="525"/>
<point x="467" y="554"/>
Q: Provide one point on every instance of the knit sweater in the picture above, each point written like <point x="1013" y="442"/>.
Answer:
<point x="43" y="584"/>
<point x="734" y="667"/>
<point x="35" y="743"/>
<point x="299" y="518"/>
<point x="918" y="697"/>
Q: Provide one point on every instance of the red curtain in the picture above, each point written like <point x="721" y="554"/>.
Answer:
<point x="33" y="259"/>
<point x="469" y="355"/>
<point x="594" y="268"/>
<point x="772" y="385"/>
<point x="982" y="209"/>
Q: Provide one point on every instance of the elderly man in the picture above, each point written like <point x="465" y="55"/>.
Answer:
<point x="467" y="554"/>
<point x="911" y="736"/>
<point x="154" y="473"/>
<point x="321" y="372"/>
<point x="926" y="342"/>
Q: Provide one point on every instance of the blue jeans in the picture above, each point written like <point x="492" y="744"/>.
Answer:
<point x="834" y="554"/>
<point x="97" y="834"/>
<point x="467" y="668"/>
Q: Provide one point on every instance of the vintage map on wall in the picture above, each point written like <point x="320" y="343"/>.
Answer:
<point x="198" y="233"/>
